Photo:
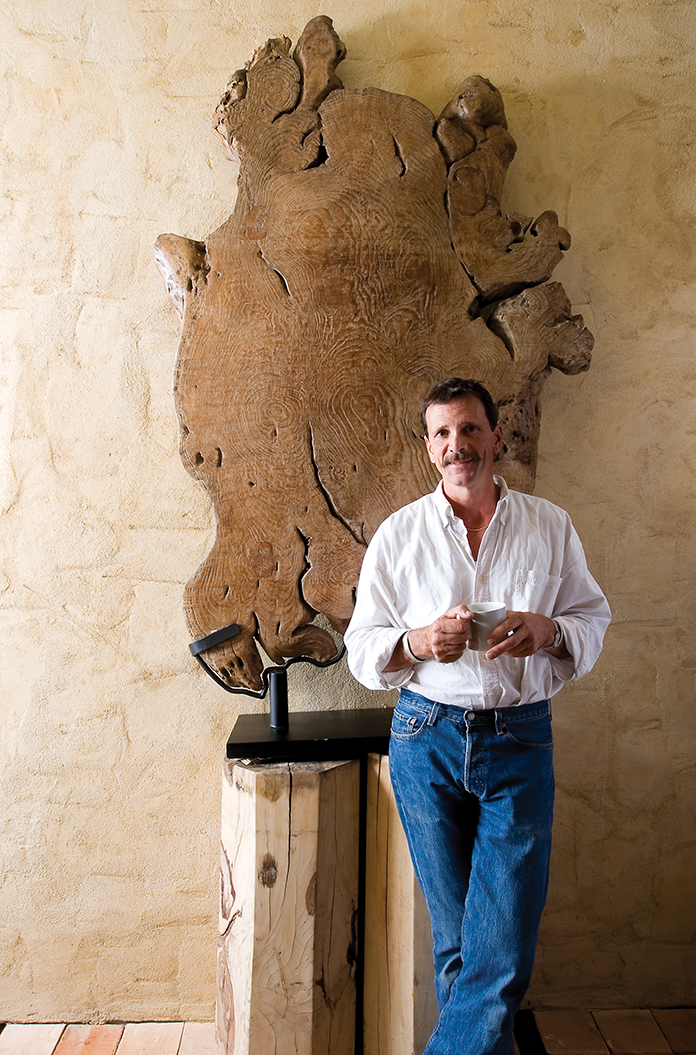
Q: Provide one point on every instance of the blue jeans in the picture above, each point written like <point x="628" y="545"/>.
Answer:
<point x="475" y="790"/>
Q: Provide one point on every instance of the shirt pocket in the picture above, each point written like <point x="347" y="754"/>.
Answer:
<point x="535" y="591"/>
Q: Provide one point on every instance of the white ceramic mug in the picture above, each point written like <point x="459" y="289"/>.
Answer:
<point x="487" y="615"/>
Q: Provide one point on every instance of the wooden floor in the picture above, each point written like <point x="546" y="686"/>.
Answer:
<point x="137" y="1038"/>
<point x="656" y="1032"/>
<point x="574" y="1032"/>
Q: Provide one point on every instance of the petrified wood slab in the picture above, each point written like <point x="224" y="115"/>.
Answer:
<point x="366" y="257"/>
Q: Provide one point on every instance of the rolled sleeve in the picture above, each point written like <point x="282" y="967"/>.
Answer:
<point x="369" y="651"/>
<point x="582" y="612"/>
<point x="376" y="626"/>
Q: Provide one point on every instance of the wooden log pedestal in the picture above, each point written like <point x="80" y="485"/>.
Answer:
<point x="322" y="924"/>
<point x="400" y="1007"/>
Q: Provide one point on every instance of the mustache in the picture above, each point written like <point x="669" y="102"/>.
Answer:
<point x="460" y="456"/>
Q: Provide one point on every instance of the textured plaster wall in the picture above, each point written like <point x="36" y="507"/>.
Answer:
<point x="111" y="736"/>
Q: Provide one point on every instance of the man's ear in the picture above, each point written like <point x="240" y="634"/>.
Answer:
<point x="429" y="448"/>
<point x="498" y="439"/>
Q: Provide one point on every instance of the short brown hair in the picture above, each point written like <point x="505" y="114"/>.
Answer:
<point x="454" y="388"/>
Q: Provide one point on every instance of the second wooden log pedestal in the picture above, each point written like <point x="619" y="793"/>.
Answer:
<point x="400" y="1007"/>
<point x="289" y="973"/>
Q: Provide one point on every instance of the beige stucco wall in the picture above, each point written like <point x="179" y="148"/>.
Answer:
<point x="111" y="735"/>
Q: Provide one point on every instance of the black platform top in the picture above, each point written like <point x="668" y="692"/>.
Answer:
<point x="312" y="736"/>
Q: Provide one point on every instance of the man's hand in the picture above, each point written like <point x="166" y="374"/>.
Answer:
<point x="445" y="640"/>
<point x="522" y="634"/>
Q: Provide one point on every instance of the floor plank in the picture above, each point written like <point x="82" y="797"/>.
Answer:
<point x="679" y="1026"/>
<point x="632" y="1032"/>
<point x="30" y="1039"/>
<point x="575" y="1031"/>
<point x="89" y="1040"/>
<point x="198" y="1039"/>
<point x="151" y="1038"/>
<point x="572" y="1032"/>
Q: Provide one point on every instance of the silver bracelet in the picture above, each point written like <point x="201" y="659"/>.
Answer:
<point x="407" y="648"/>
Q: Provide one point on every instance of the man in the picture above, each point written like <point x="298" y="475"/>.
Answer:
<point x="471" y="750"/>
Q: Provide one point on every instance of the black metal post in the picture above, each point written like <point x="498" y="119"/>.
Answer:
<point x="278" y="695"/>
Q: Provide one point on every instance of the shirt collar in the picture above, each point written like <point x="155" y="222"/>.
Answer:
<point x="447" y="513"/>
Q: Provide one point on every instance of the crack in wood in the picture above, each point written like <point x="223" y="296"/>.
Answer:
<point x="358" y="536"/>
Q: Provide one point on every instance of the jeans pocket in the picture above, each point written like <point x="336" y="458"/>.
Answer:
<point x="406" y="725"/>
<point x="531" y="732"/>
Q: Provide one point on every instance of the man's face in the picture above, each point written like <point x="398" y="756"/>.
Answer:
<point x="460" y="441"/>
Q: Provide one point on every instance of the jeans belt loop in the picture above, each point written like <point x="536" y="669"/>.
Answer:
<point x="432" y="717"/>
<point x="499" y="723"/>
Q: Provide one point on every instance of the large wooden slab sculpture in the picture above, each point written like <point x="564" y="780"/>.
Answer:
<point x="366" y="257"/>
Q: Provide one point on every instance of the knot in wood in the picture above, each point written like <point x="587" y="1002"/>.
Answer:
<point x="268" y="872"/>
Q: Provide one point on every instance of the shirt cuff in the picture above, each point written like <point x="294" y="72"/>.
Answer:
<point x="407" y="649"/>
<point x="393" y="679"/>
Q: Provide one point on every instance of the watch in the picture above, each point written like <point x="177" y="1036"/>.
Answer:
<point x="407" y="649"/>
<point x="558" y="638"/>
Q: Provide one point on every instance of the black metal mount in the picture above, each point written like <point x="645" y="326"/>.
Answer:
<point x="312" y="735"/>
<point x="275" y="679"/>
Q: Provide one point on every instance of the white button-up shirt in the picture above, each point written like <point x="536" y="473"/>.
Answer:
<point x="419" y="565"/>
